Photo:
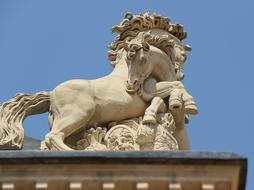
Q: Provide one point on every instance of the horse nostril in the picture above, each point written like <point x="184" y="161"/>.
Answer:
<point x="131" y="84"/>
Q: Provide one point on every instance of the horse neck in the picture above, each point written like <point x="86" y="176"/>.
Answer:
<point x="163" y="69"/>
<point x="121" y="68"/>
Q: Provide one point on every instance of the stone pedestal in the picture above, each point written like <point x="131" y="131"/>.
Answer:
<point x="122" y="170"/>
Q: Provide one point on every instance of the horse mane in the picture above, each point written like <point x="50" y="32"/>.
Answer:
<point x="164" y="42"/>
<point x="132" y="25"/>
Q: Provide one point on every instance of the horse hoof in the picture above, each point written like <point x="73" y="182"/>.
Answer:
<point x="149" y="119"/>
<point x="175" y="105"/>
<point x="44" y="146"/>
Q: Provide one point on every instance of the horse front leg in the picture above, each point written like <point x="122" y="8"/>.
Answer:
<point x="190" y="106"/>
<point x="178" y="96"/>
<point x="181" y="98"/>
<point x="155" y="92"/>
<point x="146" y="131"/>
<point x="157" y="105"/>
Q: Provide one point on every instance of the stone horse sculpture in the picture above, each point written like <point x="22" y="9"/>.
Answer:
<point x="82" y="104"/>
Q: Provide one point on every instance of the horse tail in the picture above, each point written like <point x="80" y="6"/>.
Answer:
<point x="13" y="113"/>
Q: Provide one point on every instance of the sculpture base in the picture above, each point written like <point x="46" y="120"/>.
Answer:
<point x="122" y="170"/>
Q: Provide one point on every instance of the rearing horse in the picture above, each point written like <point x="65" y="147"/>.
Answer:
<point x="152" y="63"/>
<point x="78" y="104"/>
<point x="155" y="68"/>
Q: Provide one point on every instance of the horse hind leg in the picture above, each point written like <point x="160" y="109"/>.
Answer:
<point x="45" y="143"/>
<point x="62" y="127"/>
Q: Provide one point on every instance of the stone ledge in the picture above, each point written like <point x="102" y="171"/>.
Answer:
<point x="128" y="156"/>
<point x="113" y="169"/>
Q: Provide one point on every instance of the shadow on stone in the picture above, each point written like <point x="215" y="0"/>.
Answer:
<point x="31" y="143"/>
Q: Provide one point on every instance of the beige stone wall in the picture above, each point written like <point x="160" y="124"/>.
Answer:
<point x="119" y="176"/>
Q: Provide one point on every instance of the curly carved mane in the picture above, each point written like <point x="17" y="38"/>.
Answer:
<point x="132" y="25"/>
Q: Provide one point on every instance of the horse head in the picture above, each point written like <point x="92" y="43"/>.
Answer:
<point x="161" y="56"/>
<point x="179" y="57"/>
<point x="138" y="66"/>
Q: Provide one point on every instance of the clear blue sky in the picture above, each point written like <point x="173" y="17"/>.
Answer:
<point x="43" y="43"/>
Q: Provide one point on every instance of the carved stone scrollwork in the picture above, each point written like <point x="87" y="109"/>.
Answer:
<point x="158" y="136"/>
<point x="121" y="137"/>
<point x="93" y="139"/>
<point x="132" y="135"/>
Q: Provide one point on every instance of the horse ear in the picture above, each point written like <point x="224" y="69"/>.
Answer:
<point x="128" y="15"/>
<point x="187" y="47"/>
<point x="145" y="46"/>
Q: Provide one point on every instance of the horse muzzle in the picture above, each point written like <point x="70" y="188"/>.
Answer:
<point x="180" y="76"/>
<point x="132" y="87"/>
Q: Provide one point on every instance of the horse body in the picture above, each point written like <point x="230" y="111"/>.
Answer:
<point x="77" y="104"/>
<point x="106" y="95"/>
<point x="80" y="104"/>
